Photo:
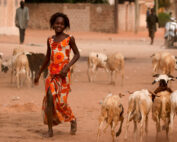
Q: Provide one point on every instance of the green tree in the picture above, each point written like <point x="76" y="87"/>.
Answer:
<point x="164" y="3"/>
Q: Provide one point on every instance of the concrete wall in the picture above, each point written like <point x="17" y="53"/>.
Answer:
<point x="7" y="16"/>
<point x="83" y="17"/>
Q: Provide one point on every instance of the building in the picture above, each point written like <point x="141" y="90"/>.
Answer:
<point x="7" y="16"/>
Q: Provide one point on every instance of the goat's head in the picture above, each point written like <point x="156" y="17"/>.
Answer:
<point x="163" y="79"/>
<point x="121" y="95"/>
<point x="4" y="68"/>
<point x="1" y="55"/>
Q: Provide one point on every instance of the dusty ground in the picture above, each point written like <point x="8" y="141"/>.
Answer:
<point x="20" y="109"/>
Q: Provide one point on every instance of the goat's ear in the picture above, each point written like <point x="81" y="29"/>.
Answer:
<point x="121" y="95"/>
<point x="154" y="82"/>
<point x="152" y="55"/>
<point x="130" y="92"/>
<point x="170" y="76"/>
<point x="156" y="75"/>
<point x="172" y="79"/>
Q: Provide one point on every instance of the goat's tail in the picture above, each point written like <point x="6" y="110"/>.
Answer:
<point x="164" y="105"/>
<point x="137" y="109"/>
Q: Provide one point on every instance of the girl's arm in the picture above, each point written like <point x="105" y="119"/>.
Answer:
<point x="74" y="48"/>
<point x="45" y="64"/>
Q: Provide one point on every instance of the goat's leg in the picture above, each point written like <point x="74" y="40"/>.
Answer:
<point x="17" y="78"/>
<point x="157" y="128"/>
<point x="120" y="128"/>
<point x="167" y="126"/>
<point x="122" y="77"/>
<point x="11" y="76"/>
<point x="111" y="77"/>
<point x="142" y="127"/>
<point x="135" y="129"/>
<point x="172" y="115"/>
<point x="101" y="121"/>
<point x="146" y="125"/>
<point x="127" y="125"/>
<point x="28" y="77"/>
<point x="114" y="124"/>
<point x="89" y="75"/>
<point x="94" y="70"/>
<point x="115" y="78"/>
<point x="109" y="121"/>
<point x="32" y="78"/>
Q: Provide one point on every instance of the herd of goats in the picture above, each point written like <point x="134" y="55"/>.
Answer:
<point x="162" y="102"/>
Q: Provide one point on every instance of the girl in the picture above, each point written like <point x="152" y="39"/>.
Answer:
<point x="57" y="85"/>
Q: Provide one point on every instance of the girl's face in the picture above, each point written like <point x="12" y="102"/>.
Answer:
<point x="59" y="25"/>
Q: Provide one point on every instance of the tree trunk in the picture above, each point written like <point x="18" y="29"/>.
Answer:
<point x="115" y="16"/>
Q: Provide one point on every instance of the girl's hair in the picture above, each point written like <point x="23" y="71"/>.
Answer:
<point x="55" y="16"/>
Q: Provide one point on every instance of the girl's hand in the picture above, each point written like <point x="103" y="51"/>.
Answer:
<point x="64" y="71"/>
<point x="36" y="80"/>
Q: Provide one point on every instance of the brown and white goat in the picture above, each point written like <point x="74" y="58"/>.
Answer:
<point x="161" y="107"/>
<point x="111" y="112"/>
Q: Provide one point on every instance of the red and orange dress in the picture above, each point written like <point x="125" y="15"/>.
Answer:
<point x="59" y="87"/>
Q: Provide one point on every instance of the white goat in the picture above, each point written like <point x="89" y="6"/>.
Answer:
<point x="95" y="61"/>
<point x="163" y="61"/>
<point x="21" y="66"/>
<point x="139" y="106"/>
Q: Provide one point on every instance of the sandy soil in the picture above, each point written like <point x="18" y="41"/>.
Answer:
<point x="20" y="109"/>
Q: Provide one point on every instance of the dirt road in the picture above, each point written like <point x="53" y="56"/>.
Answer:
<point x="20" y="109"/>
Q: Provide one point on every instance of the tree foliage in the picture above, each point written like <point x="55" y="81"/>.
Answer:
<point x="66" y="1"/>
<point x="164" y="3"/>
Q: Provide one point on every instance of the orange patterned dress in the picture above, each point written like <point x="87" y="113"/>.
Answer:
<point x="59" y="87"/>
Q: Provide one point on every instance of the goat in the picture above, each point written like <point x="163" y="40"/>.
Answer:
<point x="21" y="65"/>
<point x="35" y="62"/>
<point x="95" y="61"/>
<point x="112" y="112"/>
<point x="161" y="107"/>
<point x="163" y="61"/>
<point x="139" y="106"/>
<point x="115" y="64"/>
<point x="173" y="100"/>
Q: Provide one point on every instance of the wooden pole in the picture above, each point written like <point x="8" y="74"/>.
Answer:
<point x="156" y="7"/>
<point x="175" y="4"/>
<point x="136" y="16"/>
<point x="115" y="16"/>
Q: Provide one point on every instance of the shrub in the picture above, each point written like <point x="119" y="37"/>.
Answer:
<point x="163" y="18"/>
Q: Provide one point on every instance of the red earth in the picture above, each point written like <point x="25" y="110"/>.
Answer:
<point x="20" y="109"/>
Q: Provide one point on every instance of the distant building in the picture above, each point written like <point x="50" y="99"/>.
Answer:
<point x="7" y="16"/>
